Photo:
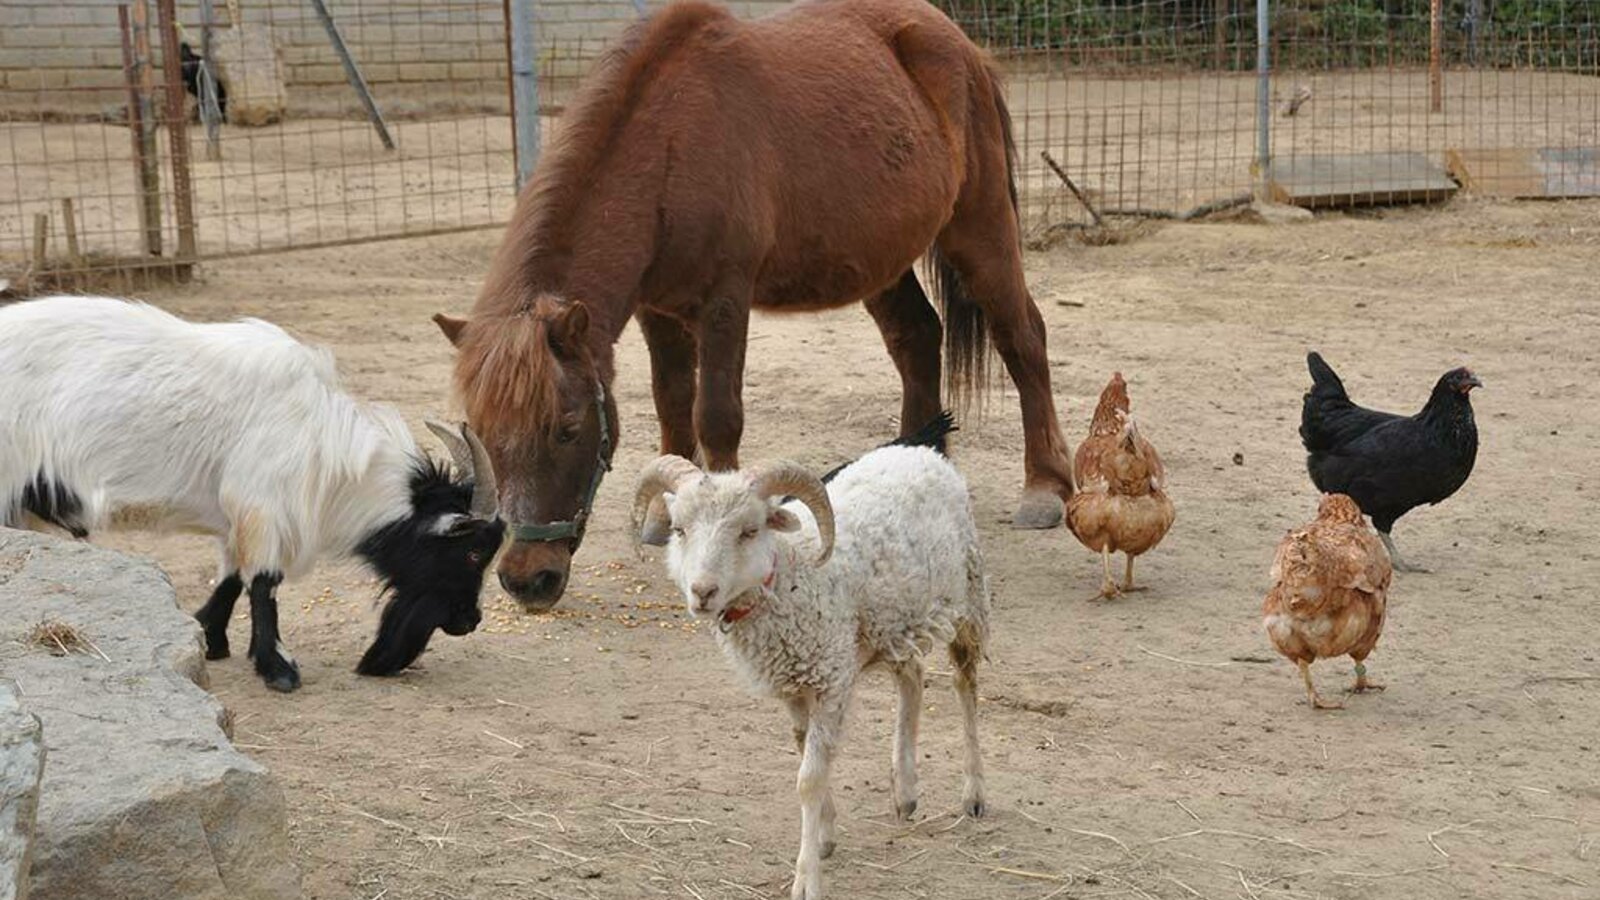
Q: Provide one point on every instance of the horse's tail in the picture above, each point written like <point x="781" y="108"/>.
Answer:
<point x="966" y="334"/>
<point x="966" y="329"/>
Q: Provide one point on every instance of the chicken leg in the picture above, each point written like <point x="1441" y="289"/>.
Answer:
<point x="1362" y="684"/>
<point x="1108" y="588"/>
<point x="1127" y="581"/>
<point x="1400" y="565"/>
<point x="1311" y="691"/>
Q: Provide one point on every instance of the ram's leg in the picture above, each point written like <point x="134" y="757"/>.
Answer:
<point x="964" y="654"/>
<point x="800" y="715"/>
<point x="214" y="616"/>
<point x="273" y="663"/>
<point x="908" y="678"/>
<point x="822" y="736"/>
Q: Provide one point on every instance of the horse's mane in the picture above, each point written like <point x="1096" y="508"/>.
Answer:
<point x="507" y="373"/>
<point x="539" y="241"/>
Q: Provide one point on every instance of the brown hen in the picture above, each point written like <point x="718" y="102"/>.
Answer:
<point x="1330" y="589"/>
<point x="1121" y="503"/>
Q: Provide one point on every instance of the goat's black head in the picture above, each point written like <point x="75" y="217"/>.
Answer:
<point x="432" y="564"/>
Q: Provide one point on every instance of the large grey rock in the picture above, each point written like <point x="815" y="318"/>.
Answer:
<point x="21" y="765"/>
<point x="144" y="796"/>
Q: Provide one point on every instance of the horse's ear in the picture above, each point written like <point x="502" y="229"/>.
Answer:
<point x="451" y="326"/>
<point x="569" y="327"/>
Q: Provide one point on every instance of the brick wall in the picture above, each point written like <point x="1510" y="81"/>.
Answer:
<point x="65" y="56"/>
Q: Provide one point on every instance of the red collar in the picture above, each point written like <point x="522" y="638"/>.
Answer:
<point x="734" y="613"/>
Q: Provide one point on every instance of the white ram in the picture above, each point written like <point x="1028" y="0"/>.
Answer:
<point x="119" y="415"/>
<point x="888" y="569"/>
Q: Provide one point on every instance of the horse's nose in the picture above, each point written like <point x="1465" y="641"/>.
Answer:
<point x="539" y="591"/>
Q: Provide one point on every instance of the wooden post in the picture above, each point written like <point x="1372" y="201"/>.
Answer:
<point x="1436" y="53"/>
<point x="41" y="243"/>
<point x="177" y="131"/>
<point x="135" y="59"/>
<point x="69" y="223"/>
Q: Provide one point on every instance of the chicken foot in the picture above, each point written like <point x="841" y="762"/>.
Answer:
<point x="1399" y="564"/>
<point x="1311" y="691"/>
<point x="1363" y="684"/>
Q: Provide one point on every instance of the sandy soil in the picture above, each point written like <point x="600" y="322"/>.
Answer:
<point x="1153" y="746"/>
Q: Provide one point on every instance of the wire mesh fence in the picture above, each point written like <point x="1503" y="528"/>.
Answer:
<point x="109" y="158"/>
<point x="111" y="161"/>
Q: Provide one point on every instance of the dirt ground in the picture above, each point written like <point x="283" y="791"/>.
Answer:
<point x="1153" y="746"/>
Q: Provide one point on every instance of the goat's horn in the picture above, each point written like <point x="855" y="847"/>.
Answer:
<point x="792" y="479"/>
<point x="485" y="492"/>
<point x="460" y="453"/>
<point x="666" y="473"/>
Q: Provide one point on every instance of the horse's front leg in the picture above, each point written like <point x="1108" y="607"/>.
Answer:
<point x="719" y="407"/>
<point x="673" y="347"/>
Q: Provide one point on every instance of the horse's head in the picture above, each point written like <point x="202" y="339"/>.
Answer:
<point x="532" y="391"/>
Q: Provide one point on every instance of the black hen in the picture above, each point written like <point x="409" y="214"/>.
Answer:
<point x="932" y="435"/>
<point x="1389" y="464"/>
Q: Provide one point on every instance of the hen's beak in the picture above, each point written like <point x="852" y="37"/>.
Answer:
<point x="1471" y="382"/>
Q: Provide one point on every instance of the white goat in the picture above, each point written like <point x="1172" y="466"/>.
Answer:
<point x="116" y="414"/>
<point x="897" y="570"/>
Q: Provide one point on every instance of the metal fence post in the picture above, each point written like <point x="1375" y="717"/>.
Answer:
<point x="1263" y="97"/>
<point x="525" y="86"/>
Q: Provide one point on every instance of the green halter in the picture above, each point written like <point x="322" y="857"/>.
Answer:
<point x="572" y="529"/>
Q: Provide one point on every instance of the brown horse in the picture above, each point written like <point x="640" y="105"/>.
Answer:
<point x="708" y="165"/>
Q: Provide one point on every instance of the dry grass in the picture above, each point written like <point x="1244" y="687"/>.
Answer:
<point x="61" y="639"/>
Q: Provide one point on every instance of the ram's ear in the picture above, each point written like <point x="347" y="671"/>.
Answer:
<point x="781" y="519"/>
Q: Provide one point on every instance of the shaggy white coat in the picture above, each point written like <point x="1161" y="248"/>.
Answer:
<point x="906" y="575"/>
<point x="235" y="430"/>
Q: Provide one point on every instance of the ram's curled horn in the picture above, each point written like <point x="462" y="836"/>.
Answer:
<point x="455" y="445"/>
<point x="666" y="473"/>
<point x="788" y="479"/>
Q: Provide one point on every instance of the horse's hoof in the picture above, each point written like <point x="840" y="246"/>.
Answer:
<point x="1040" y="509"/>
<point x="905" y="810"/>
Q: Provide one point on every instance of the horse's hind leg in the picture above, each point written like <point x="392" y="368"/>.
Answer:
<point x="987" y="257"/>
<point x="911" y="332"/>
<point x="673" y="349"/>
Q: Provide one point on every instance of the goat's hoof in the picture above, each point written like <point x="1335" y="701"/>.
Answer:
<point x="218" y="650"/>
<point x="905" y="809"/>
<point x="1039" y="509"/>
<point x="280" y="675"/>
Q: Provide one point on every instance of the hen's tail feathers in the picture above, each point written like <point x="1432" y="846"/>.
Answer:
<point x="1325" y="382"/>
<point x="932" y="435"/>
